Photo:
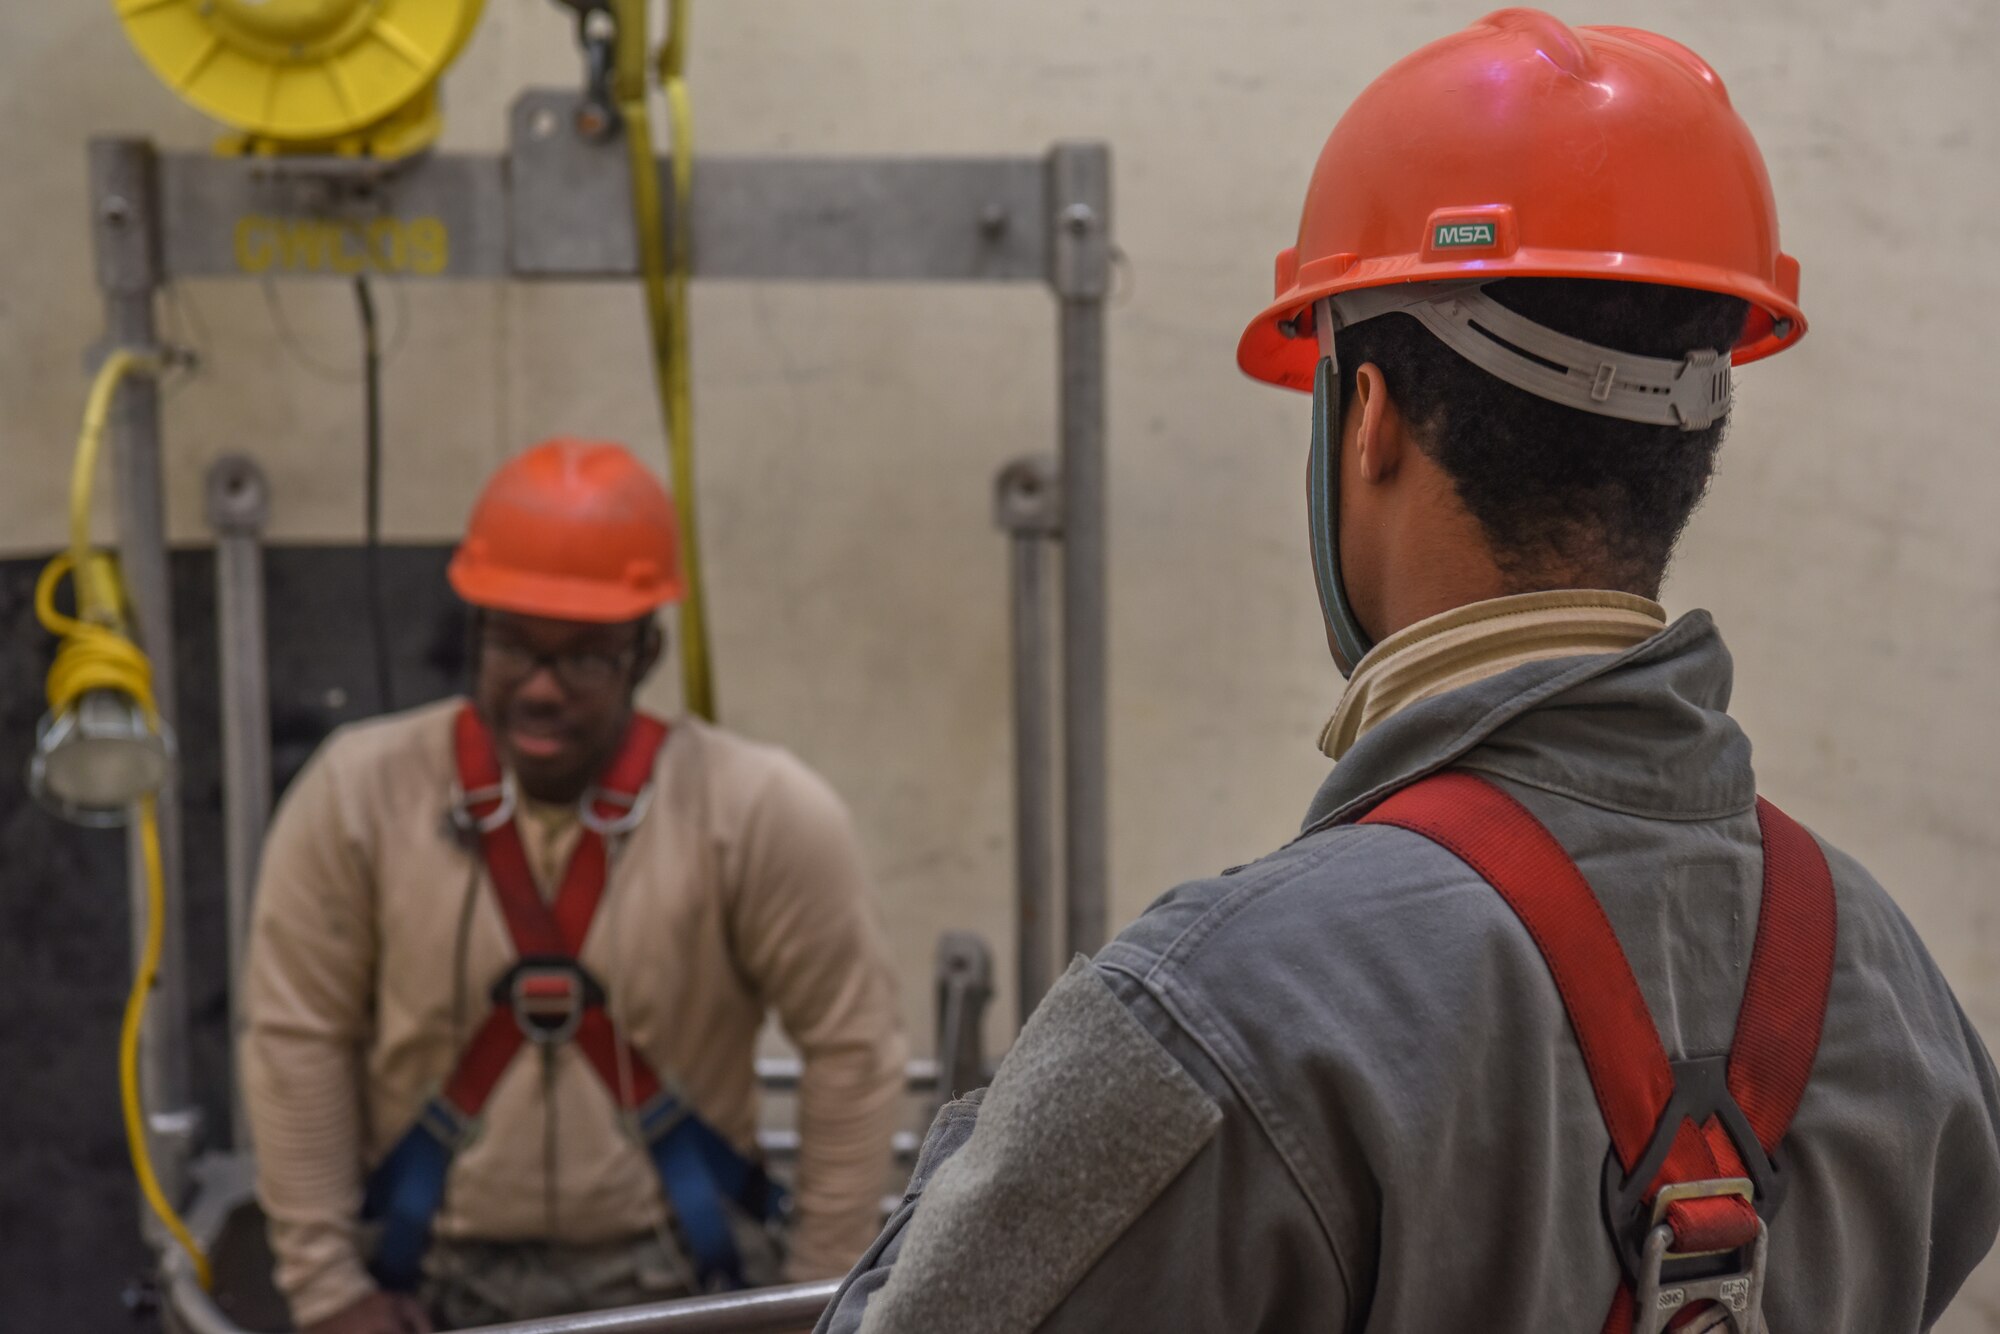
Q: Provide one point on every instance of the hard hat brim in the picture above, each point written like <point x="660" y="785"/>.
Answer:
<point x="1266" y="352"/>
<point x="555" y="597"/>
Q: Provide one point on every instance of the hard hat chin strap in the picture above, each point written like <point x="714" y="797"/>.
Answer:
<point x="1691" y="392"/>
<point x="1323" y="514"/>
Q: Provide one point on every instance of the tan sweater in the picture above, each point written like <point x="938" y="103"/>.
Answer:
<point x="376" y="938"/>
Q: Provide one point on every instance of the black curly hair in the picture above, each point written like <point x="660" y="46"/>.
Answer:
<point x="1566" y="498"/>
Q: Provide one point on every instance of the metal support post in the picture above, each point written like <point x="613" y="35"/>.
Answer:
<point x="239" y="505"/>
<point x="1080" y="245"/>
<point x="964" y="986"/>
<point x="124" y="227"/>
<point x="1027" y="505"/>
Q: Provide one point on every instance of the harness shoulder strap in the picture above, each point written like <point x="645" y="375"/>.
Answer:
<point x="1669" y="1124"/>
<point x="1791" y="976"/>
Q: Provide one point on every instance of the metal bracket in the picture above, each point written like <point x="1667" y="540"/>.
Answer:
<point x="964" y="986"/>
<point x="124" y="189"/>
<point x="569" y="191"/>
<point x="238" y="499"/>
<point x="1027" y="498"/>
<point x="1080" y="220"/>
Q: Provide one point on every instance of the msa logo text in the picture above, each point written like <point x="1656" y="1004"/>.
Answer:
<point x="1449" y="234"/>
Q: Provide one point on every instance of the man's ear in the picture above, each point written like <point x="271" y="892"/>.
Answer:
<point x="1378" y="432"/>
<point x="652" y="644"/>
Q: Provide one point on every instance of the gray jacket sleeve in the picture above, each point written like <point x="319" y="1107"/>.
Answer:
<point x="1109" y="1179"/>
<point x="1965" y="1204"/>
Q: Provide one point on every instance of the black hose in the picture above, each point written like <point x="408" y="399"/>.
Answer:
<point x="371" y="378"/>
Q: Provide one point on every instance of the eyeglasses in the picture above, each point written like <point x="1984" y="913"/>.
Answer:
<point x="579" y="671"/>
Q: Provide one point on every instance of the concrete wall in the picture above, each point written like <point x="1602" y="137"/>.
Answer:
<point x="849" y="436"/>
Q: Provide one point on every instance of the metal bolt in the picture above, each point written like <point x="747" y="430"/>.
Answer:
<point x="115" y="210"/>
<point x="238" y="500"/>
<point x="993" y="221"/>
<point x="1026" y="499"/>
<point x="1078" y="219"/>
<point x="335" y="698"/>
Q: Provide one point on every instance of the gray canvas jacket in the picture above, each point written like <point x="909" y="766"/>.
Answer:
<point x="1336" y="1089"/>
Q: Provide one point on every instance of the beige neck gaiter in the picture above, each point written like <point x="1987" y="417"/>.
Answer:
<point x="1482" y="639"/>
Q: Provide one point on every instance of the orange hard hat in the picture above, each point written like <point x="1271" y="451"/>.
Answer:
<point x="1523" y="148"/>
<point x="575" y="530"/>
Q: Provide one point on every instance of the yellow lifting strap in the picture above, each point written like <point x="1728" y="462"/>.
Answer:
<point x="665" y="270"/>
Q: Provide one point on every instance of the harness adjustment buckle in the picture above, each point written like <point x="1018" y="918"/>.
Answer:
<point x="660" y="1117"/>
<point x="548" y="996"/>
<point x="1737" y="1289"/>
<point x="501" y="797"/>
<point x="446" y="1124"/>
<point x="627" y="810"/>
<point x="1701" y="1092"/>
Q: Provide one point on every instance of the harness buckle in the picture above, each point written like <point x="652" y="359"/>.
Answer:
<point x="1701" y="1092"/>
<point x="1737" y="1289"/>
<point x="658" y="1118"/>
<point x="446" y="1124"/>
<point x="465" y="819"/>
<point x="548" y="996"/>
<point x="630" y="808"/>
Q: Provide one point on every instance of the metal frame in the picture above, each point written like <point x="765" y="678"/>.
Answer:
<point x="239" y="505"/>
<point x="1027" y="505"/>
<point x="126" y="238"/>
<point x="556" y="205"/>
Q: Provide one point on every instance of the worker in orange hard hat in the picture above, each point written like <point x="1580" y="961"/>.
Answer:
<point x="511" y="955"/>
<point x="1546" y="1021"/>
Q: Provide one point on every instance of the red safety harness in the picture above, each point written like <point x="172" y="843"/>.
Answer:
<point x="1692" y="1177"/>
<point x="548" y="996"/>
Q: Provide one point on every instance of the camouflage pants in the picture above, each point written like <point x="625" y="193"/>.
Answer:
<point x="473" y="1283"/>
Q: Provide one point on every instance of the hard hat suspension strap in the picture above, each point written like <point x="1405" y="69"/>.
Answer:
<point x="1691" y="392"/>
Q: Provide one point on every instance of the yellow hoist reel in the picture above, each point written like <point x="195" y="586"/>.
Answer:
<point x="353" y="77"/>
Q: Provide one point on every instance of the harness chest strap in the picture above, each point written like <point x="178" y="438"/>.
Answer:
<point x="550" y="998"/>
<point x="1670" y="1125"/>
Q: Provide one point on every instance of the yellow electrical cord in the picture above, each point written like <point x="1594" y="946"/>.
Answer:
<point x="666" y="283"/>
<point x="128" y="1045"/>
<point x="95" y="654"/>
<point x="96" y="409"/>
<point x="89" y="656"/>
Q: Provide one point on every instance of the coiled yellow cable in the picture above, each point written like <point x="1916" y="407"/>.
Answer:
<point x="94" y="654"/>
<point x="89" y="656"/>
